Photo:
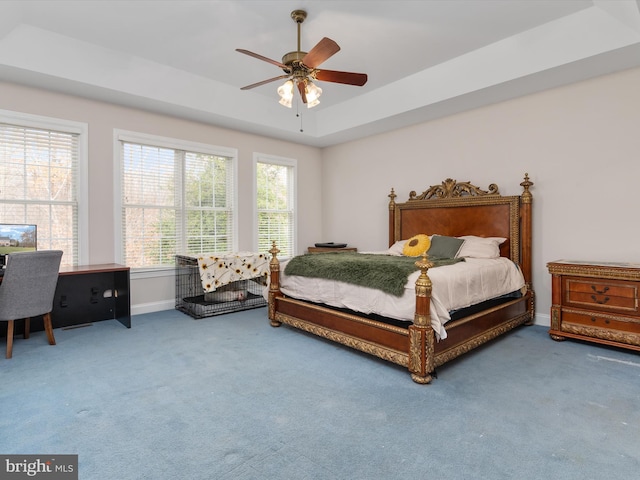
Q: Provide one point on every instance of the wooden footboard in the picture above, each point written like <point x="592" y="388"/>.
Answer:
<point x="412" y="348"/>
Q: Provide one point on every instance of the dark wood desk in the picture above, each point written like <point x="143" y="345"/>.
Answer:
<point x="90" y="293"/>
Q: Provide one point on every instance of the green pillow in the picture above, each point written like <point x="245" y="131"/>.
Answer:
<point x="444" y="247"/>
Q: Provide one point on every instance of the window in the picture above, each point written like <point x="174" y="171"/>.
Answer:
<point x="176" y="197"/>
<point x="275" y="203"/>
<point x="43" y="180"/>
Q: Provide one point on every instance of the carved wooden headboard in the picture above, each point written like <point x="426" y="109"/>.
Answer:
<point x="460" y="208"/>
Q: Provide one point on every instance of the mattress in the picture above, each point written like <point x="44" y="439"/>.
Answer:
<point x="453" y="287"/>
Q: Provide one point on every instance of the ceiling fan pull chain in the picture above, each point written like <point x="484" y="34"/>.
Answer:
<point x="298" y="114"/>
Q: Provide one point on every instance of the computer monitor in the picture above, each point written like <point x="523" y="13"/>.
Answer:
<point x="17" y="238"/>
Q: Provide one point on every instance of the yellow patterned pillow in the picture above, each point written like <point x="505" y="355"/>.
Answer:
<point x="416" y="245"/>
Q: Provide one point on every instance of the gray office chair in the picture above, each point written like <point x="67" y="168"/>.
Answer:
<point x="27" y="290"/>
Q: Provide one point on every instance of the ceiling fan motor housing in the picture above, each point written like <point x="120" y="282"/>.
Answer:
<point x="294" y="61"/>
<point x="291" y="57"/>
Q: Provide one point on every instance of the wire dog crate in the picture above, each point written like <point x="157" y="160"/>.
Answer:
<point x="192" y="299"/>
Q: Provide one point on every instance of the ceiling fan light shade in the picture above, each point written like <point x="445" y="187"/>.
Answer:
<point x="313" y="93"/>
<point x="286" y="102"/>
<point x="286" y="93"/>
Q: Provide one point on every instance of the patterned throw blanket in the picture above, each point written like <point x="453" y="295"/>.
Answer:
<point x="218" y="270"/>
<point x="388" y="273"/>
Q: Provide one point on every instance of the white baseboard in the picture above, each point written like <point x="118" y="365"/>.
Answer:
<point x="152" y="307"/>
<point x="542" y="319"/>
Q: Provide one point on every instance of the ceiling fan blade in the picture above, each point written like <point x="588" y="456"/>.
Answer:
<point x="303" y="94"/>
<point x="324" y="49"/>
<point x="349" y="78"/>
<point x="253" y="85"/>
<point x="265" y="59"/>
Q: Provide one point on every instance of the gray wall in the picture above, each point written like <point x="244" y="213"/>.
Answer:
<point x="156" y="293"/>
<point x="580" y="145"/>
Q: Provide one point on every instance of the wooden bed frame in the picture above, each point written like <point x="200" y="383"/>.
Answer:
<point x="453" y="209"/>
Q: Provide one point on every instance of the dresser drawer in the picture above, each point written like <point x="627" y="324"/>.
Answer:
<point x="609" y="295"/>
<point x="598" y="320"/>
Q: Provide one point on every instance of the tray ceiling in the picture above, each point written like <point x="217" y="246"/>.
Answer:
<point x="424" y="59"/>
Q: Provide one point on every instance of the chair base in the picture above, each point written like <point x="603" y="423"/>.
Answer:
<point x="47" y="326"/>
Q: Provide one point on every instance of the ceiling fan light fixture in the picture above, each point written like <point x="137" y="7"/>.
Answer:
<point x="300" y="68"/>
<point x="286" y="93"/>
<point x="313" y="93"/>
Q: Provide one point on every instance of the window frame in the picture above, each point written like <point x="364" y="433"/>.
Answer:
<point x="81" y="129"/>
<point x="120" y="136"/>
<point x="286" y="162"/>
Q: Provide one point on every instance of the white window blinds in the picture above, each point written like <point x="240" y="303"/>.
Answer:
<point x="174" y="201"/>
<point x="39" y="185"/>
<point x="208" y="204"/>
<point x="275" y="195"/>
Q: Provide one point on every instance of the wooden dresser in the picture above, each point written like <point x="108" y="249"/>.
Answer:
<point x="597" y="302"/>
<point x="331" y="249"/>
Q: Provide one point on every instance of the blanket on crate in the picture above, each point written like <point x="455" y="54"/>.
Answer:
<point x="219" y="270"/>
<point x="388" y="273"/>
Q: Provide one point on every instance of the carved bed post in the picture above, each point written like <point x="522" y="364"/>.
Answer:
<point x="274" y="285"/>
<point x="526" y="200"/>
<point x="421" y="334"/>
<point x="392" y="219"/>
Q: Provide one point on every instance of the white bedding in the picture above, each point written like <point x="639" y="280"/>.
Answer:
<point x="454" y="286"/>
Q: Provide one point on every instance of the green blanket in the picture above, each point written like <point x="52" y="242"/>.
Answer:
<point x="388" y="273"/>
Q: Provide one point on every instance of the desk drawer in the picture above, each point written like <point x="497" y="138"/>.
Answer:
<point x="598" y="320"/>
<point x="601" y="294"/>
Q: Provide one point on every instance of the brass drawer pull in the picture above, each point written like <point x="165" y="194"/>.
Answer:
<point x="601" y="302"/>
<point x="604" y="290"/>
<point x="606" y="320"/>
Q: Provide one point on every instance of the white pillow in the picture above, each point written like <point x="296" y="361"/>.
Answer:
<point x="396" y="248"/>
<point x="480" y="247"/>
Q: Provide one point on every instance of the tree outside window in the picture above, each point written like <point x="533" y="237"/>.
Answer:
<point x="175" y="202"/>
<point x="275" y="202"/>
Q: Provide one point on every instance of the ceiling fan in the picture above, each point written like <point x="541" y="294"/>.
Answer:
<point x="301" y="69"/>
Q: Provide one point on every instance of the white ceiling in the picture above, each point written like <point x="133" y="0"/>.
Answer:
<point x="425" y="59"/>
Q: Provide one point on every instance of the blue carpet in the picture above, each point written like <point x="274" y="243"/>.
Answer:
<point x="230" y="397"/>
